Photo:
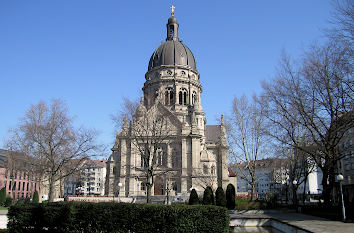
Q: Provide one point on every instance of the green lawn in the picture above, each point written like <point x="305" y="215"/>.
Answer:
<point x="3" y="208"/>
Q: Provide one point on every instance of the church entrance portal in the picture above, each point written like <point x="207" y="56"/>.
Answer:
<point x="158" y="186"/>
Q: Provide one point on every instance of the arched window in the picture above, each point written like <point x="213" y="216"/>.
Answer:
<point x="171" y="31"/>
<point x="142" y="161"/>
<point x="194" y="98"/>
<point x="159" y="157"/>
<point x="169" y="98"/>
<point x="183" y="97"/>
<point x="213" y="170"/>
<point x="205" y="169"/>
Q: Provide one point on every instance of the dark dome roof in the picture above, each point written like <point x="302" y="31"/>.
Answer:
<point x="172" y="19"/>
<point x="172" y="52"/>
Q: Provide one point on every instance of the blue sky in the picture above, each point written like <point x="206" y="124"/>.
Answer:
<point x="94" y="53"/>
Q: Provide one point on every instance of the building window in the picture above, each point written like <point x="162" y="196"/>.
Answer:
<point x="194" y="98"/>
<point x="183" y="97"/>
<point x="213" y="170"/>
<point x="205" y="169"/>
<point x="169" y="99"/>
<point x="143" y="163"/>
<point x="159" y="157"/>
<point x="171" y="31"/>
<point x="142" y="186"/>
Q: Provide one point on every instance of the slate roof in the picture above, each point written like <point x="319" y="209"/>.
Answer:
<point x="212" y="133"/>
<point x="172" y="53"/>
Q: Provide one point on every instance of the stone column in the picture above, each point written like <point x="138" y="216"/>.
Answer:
<point x="184" y="166"/>
<point x="195" y="150"/>
<point x="123" y="157"/>
<point x="169" y="156"/>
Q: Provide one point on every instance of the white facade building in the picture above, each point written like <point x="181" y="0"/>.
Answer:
<point x="89" y="181"/>
<point x="94" y="177"/>
<point x="272" y="175"/>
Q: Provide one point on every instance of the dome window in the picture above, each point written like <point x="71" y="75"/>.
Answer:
<point x="171" y="31"/>
<point x="169" y="97"/>
<point x="183" y="97"/>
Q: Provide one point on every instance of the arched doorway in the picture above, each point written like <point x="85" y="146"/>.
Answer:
<point x="158" y="186"/>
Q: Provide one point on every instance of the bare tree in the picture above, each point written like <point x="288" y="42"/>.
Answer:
<point x="246" y="136"/>
<point x="316" y="95"/>
<point x="127" y="110"/>
<point x="342" y="21"/>
<point x="298" y="164"/>
<point x="46" y="134"/>
<point x="151" y="130"/>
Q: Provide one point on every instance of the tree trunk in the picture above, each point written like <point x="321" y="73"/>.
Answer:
<point x="294" y="196"/>
<point x="148" y="193"/>
<point x="304" y="193"/>
<point x="149" y="185"/>
<point x="327" y="183"/>
<point x="51" y="190"/>
<point x="253" y="190"/>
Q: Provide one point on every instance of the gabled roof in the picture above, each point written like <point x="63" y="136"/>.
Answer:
<point x="212" y="133"/>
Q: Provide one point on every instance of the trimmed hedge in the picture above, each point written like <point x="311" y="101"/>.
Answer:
<point x="2" y="196"/>
<point x="193" y="198"/>
<point x="116" y="217"/>
<point x="230" y="197"/>
<point x="220" y="198"/>
<point x="208" y="197"/>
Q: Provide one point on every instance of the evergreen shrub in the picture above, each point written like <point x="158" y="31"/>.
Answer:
<point x="230" y="197"/>
<point x="35" y="198"/>
<point x="116" y="217"/>
<point x="8" y="201"/>
<point x="208" y="197"/>
<point x="220" y="198"/>
<point x="2" y="196"/>
<point x="193" y="198"/>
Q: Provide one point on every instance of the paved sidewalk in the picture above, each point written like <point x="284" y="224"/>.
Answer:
<point x="308" y="222"/>
<point x="3" y="219"/>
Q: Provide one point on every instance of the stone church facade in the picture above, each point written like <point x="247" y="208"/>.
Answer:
<point x="194" y="155"/>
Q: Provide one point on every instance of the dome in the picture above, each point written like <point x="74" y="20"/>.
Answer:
<point x="172" y="19"/>
<point x="172" y="52"/>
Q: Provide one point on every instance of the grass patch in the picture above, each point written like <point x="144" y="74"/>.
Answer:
<point x="3" y="208"/>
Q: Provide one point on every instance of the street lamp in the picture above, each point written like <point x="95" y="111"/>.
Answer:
<point x="340" y="179"/>
<point x="119" y="186"/>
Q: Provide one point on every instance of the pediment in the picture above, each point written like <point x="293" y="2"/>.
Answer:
<point x="171" y="122"/>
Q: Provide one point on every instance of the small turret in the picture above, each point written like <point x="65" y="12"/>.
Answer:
<point x="172" y="26"/>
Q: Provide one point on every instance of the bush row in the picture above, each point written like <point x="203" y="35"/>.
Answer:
<point x="116" y="217"/>
<point x="221" y="199"/>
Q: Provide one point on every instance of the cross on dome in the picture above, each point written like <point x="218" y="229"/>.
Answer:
<point x="172" y="10"/>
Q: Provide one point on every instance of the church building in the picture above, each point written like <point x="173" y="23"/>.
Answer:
<point x="193" y="155"/>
